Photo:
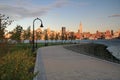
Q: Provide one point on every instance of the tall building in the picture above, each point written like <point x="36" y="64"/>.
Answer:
<point x="63" y="33"/>
<point x="80" y="28"/>
<point x="112" y="32"/>
<point x="63" y="30"/>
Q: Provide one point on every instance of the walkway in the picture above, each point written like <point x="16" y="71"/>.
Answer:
<point x="57" y="63"/>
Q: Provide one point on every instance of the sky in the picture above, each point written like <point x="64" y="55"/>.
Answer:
<point x="94" y="15"/>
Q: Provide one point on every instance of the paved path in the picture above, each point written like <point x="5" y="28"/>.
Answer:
<point x="57" y="63"/>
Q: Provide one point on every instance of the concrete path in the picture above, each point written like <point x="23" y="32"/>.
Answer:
<point x="57" y="63"/>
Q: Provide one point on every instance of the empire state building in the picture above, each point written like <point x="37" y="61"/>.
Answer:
<point x="80" y="28"/>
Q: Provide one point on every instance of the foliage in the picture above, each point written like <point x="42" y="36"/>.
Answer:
<point x="38" y="35"/>
<point x="16" y="62"/>
<point x="4" y="22"/>
<point x="16" y="33"/>
<point x="17" y="66"/>
<point x="72" y="36"/>
<point x="57" y="36"/>
<point x="52" y="36"/>
<point x="26" y="34"/>
<point x="46" y="35"/>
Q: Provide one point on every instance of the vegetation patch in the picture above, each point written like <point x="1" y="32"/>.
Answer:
<point x="16" y="62"/>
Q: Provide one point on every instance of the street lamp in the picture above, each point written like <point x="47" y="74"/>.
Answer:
<point x="33" y="46"/>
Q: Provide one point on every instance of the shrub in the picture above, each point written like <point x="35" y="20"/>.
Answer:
<point x="17" y="65"/>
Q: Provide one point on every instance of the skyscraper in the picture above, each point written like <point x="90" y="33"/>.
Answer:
<point x="63" y="30"/>
<point x="80" y="28"/>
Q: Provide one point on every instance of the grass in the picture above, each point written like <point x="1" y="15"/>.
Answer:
<point x="17" y="66"/>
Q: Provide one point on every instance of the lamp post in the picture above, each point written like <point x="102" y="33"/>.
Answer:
<point x="33" y="46"/>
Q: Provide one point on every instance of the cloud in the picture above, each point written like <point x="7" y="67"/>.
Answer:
<point x="60" y="3"/>
<point x="115" y="15"/>
<point x="24" y="10"/>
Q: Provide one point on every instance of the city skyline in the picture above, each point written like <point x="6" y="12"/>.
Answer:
<point x="93" y="14"/>
<point x="66" y="34"/>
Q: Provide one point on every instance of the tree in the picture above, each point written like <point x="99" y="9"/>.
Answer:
<point x="38" y="34"/>
<point x="4" y="22"/>
<point x="27" y="34"/>
<point x="52" y="36"/>
<point x="16" y="33"/>
<point x="72" y="36"/>
<point x="46" y="35"/>
<point x="57" y="36"/>
<point x="46" y="38"/>
<point x="24" y="36"/>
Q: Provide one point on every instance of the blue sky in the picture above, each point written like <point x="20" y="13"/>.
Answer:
<point x="93" y="14"/>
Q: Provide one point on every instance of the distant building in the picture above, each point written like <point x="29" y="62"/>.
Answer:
<point x="63" y="33"/>
<point x="63" y="30"/>
<point x="108" y="34"/>
<point x="116" y="34"/>
<point x="80" y="28"/>
<point x="86" y="35"/>
<point x="79" y="35"/>
<point x="112" y="32"/>
<point x="38" y="30"/>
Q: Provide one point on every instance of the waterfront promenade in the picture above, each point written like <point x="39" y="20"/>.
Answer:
<point x="58" y="63"/>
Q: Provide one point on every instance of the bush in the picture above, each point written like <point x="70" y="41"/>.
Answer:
<point x="17" y="65"/>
